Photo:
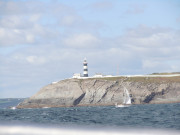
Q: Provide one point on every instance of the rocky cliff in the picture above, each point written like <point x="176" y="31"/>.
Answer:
<point x="106" y="91"/>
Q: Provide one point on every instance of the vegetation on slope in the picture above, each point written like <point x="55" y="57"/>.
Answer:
<point x="141" y="79"/>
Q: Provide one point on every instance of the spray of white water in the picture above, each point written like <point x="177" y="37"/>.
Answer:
<point x="31" y="130"/>
<point x="127" y="98"/>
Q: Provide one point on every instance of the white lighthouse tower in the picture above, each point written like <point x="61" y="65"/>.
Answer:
<point x="85" y="67"/>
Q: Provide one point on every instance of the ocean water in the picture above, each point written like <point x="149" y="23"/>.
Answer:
<point x="152" y="116"/>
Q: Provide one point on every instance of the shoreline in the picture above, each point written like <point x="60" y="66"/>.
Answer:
<point x="88" y="105"/>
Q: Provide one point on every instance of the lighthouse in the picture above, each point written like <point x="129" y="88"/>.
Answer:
<point x="85" y="68"/>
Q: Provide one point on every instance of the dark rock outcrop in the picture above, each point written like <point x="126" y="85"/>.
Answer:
<point x="105" y="91"/>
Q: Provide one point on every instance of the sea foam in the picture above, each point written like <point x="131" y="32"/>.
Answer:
<point x="32" y="130"/>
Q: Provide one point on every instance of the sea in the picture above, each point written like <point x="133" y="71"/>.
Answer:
<point x="101" y="120"/>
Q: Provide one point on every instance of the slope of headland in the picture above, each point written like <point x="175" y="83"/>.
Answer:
<point x="148" y="89"/>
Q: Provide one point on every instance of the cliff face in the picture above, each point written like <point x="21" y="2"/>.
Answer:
<point x="106" y="91"/>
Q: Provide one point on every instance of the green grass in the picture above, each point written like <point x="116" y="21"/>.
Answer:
<point x="142" y="79"/>
<point x="165" y="73"/>
<point x="154" y="79"/>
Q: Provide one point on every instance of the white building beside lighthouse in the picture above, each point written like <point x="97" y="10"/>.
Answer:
<point x="85" y="68"/>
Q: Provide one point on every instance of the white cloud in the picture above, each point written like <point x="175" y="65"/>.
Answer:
<point x="39" y="22"/>
<point x="155" y="65"/>
<point x="150" y="38"/>
<point x="11" y="37"/>
<point x="178" y="20"/>
<point x="35" y="17"/>
<point x="151" y="64"/>
<point x="84" y="40"/>
<point x="136" y="9"/>
<point x="68" y="20"/>
<point x="25" y="30"/>
<point x="71" y="20"/>
<point x="105" y="5"/>
<point x="30" y="38"/>
<point x="36" y="60"/>
<point x="157" y="48"/>
<point x="22" y="7"/>
<point x="11" y="21"/>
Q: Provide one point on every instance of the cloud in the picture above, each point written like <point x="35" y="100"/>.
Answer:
<point x="151" y="64"/>
<point x="35" y="60"/>
<point x="155" y="65"/>
<point x="14" y="36"/>
<point x="33" y="7"/>
<point x="105" y="5"/>
<point x="71" y="20"/>
<point x="178" y="20"/>
<point x="14" y="21"/>
<point x="150" y="37"/>
<point x="30" y="22"/>
<point x="156" y="47"/>
<point x="33" y="23"/>
<point x="20" y="7"/>
<point x="82" y="40"/>
<point x="17" y="29"/>
<point x="136" y="9"/>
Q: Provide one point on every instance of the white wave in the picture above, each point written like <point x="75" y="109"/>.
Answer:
<point x="13" y="108"/>
<point x="32" y="130"/>
<point x="46" y="107"/>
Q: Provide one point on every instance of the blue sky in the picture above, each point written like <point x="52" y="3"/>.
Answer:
<point x="46" y="40"/>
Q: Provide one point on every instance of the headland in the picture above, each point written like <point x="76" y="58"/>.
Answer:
<point x="105" y="91"/>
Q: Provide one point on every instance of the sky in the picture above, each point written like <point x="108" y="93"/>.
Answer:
<point x="42" y="41"/>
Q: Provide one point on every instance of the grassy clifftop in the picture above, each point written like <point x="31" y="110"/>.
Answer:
<point x="172" y="73"/>
<point x="143" y="79"/>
